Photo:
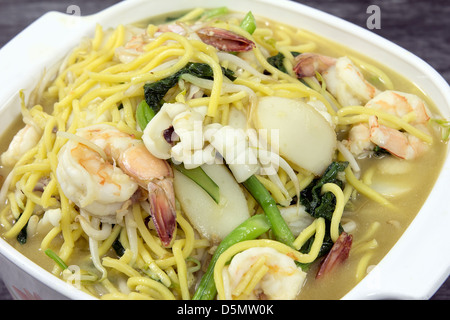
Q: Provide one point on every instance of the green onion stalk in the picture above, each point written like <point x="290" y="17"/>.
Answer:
<point x="250" y="229"/>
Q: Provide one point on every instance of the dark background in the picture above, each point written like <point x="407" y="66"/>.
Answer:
<point x="420" y="26"/>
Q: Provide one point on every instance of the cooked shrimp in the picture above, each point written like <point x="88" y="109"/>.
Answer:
<point x="133" y="47"/>
<point x="308" y="63"/>
<point x="89" y="178"/>
<point x="24" y="140"/>
<point x="178" y="28"/>
<point x="343" y="79"/>
<point x="401" y="144"/>
<point x="362" y="137"/>
<point x="400" y="104"/>
<point x="262" y="273"/>
<point x="358" y="141"/>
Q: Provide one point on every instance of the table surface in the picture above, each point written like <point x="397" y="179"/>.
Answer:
<point x="420" y="26"/>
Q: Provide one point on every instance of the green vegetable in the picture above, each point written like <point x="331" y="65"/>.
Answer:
<point x="277" y="61"/>
<point x="322" y="205"/>
<point x="56" y="258"/>
<point x="444" y="125"/>
<point x="380" y="151"/>
<point x="198" y="264"/>
<point x="118" y="247"/>
<point x="155" y="92"/>
<point x="249" y="23"/>
<point x="22" y="236"/>
<point x="250" y="229"/>
<point x="280" y="229"/>
<point x="202" y="179"/>
<point x="213" y="13"/>
<point x="144" y="114"/>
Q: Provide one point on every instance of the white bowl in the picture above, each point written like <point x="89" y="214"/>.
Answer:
<point x="413" y="269"/>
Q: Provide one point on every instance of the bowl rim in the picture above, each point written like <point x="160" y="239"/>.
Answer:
<point x="367" y="288"/>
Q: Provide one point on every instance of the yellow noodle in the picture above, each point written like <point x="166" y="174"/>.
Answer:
<point x="45" y="244"/>
<point x="374" y="71"/>
<point x="165" y="292"/>
<point x="181" y="269"/>
<point x="18" y="226"/>
<point x="32" y="167"/>
<point x="153" y="59"/>
<point x="31" y="182"/>
<point x="255" y="86"/>
<point x="191" y="15"/>
<point x="106" y="244"/>
<point x="370" y="232"/>
<point x="171" y="70"/>
<point x="276" y="193"/>
<point x="120" y="266"/>
<point x="338" y="210"/>
<point x="217" y="85"/>
<point x="361" y="269"/>
<point x="129" y="113"/>
<point x="305" y="235"/>
<point x="365" y="189"/>
<point x="65" y="219"/>
<point x="152" y="266"/>
<point x="98" y="37"/>
<point x="251" y="277"/>
<point x="189" y="235"/>
<point x="146" y="292"/>
<point x="14" y="207"/>
<point x="145" y="233"/>
<point x="49" y="191"/>
<point x="3" y="217"/>
<point x="224" y="99"/>
<point x="64" y="253"/>
<point x="368" y="245"/>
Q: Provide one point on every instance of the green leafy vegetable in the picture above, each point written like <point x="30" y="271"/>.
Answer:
<point x="322" y="205"/>
<point x="316" y="204"/>
<point x="280" y="229"/>
<point x="56" y="258"/>
<point x="144" y="114"/>
<point x="249" y="23"/>
<point x="155" y="92"/>
<point x="250" y="229"/>
<point x="22" y="236"/>
<point x="118" y="247"/>
<point x="277" y="61"/>
<point x="202" y="179"/>
<point x="380" y="151"/>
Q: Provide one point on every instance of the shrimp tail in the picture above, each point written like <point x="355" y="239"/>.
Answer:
<point x="338" y="253"/>
<point x="225" y="40"/>
<point x="162" y="207"/>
